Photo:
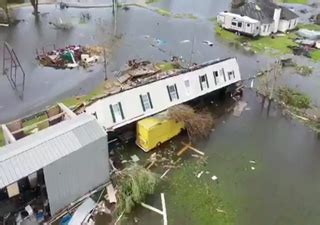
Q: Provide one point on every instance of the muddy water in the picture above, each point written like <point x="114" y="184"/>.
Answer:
<point x="283" y="186"/>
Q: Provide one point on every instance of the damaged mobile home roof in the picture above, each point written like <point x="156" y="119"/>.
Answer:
<point x="263" y="11"/>
<point x="34" y="152"/>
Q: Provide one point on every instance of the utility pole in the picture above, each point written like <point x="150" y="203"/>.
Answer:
<point x="105" y="64"/>
<point x="192" y="46"/>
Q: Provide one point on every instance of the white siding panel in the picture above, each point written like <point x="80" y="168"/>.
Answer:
<point x="131" y="103"/>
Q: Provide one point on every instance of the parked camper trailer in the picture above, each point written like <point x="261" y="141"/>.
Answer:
<point x="238" y="23"/>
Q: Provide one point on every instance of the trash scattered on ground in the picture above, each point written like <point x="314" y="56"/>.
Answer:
<point x="240" y="106"/>
<point x="4" y="25"/>
<point x="253" y="168"/>
<point x="214" y="178"/>
<point x="252" y="161"/>
<point x="252" y="83"/>
<point x="185" y="41"/>
<point x="220" y="210"/>
<point x="207" y="172"/>
<point x="135" y="158"/>
<point x="208" y="43"/>
<point x="62" y="25"/>
<point x="71" y="56"/>
<point x="199" y="174"/>
<point x="309" y="34"/>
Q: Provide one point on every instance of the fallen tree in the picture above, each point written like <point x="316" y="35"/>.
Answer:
<point x="197" y="124"/>
<point x="134" y="183"/>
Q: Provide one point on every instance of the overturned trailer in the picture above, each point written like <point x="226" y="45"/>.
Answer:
<point x="129" y="105"/>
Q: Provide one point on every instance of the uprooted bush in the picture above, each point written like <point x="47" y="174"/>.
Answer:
<point x="294" y="98"/>
<point x="197" y="124"/>
<point x="134" y="183"/>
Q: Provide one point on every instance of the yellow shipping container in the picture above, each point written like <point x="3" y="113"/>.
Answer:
<point x="153" y="131"/>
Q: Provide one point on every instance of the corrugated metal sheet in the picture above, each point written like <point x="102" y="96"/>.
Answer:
<point x="73" y="176"/>
<point x="36" y="151"/>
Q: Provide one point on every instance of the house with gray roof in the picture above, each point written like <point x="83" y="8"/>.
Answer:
<point x="270" y="17"/>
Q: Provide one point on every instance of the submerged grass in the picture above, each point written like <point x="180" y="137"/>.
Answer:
<point x="303" y="70"/>
<point x="75" y="100"/>
<point x="163" y="12"/>
<point x="294" y="98"/>
<point x="309" y="26"/>
<point x="295" y="1"/>
<point x="152" y="1"/>
<point x="315" y="55"/>
<point x="195" y="200"/>
<point x="274" y="46"/>
<point x="1" y="138"/>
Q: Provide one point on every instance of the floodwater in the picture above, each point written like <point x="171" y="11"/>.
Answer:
<point x="285" y="185"/>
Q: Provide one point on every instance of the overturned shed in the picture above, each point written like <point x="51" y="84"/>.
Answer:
<point x="71" y="156"/>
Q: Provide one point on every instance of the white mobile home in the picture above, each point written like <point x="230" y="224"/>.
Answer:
<point x="242" y="24"/>
<point x="119" y="109"/>
<point x="272" y="17"/>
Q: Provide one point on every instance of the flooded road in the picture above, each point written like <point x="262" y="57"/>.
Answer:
<point x="126" y="39"/>
<point x="284" y="187"/>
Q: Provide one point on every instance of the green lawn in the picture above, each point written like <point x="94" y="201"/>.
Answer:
<point x="315" y="55"/>
<point x="193" y="200"/>
<point x="75" y="100"/>
<point x="1" y="138"/>
<point x="274" y="46"/>
<point x="295" y="1"/>
<point x="309" y="26"/>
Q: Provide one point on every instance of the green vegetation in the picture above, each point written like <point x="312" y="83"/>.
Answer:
<point x="294" y="98"/>
<point x="315" y="55"/>
<point x="163" y="12"/>
<point x="1" y="138"/>
<point x="274" y="46"/>
<point x="134" y="183"/>
<point x="196" y="200"/>
<point x="295" y="1"/>
<point x="75" y="100"/>
<point x="309" y="26"/>
<point x="303" y="70"/>
<point x="152" y="1"/>
<point x="167" y="66"/>
<point x="185" y="16"/>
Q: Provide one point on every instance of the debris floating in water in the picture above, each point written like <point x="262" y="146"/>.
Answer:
<point x="199" y="174"/>
<point x="214" y="178"/>
<point x="184" y="41"/>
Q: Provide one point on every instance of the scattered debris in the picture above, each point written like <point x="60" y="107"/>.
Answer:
<point x="252" y="161"/>
<point x="304" y="70"/>
<point x="214" y="178"/>
<point x="111" y="194"/>
<point x="240" y="106"/>
<point x="220" y="210"/>
<point x="309" y="34"/>
<point x="71" y="56"/>
<point x="4" y="24"/>
<point x="253" y="168"/>
<point x="199" y="174"/>
<point x="185" y="41"/>
<point x="208" y="43"/>
<point x="62" y="25"/>
<point x="81" y="213"/>
<point x="165" y="173"/>
<point x="135" y="158"/>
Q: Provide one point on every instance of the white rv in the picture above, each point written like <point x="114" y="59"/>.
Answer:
<point x="238" y="23"/>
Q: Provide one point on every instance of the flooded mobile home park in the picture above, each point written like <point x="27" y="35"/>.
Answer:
<point x="74" y="147"/>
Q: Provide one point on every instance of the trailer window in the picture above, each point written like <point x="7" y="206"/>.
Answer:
<point x="239" y="24"/>
<point x="173" y="92"/>
<point x="248" y="25"/>
<point x="234" y="24"/>
<point x="204" y="84"/>
<point x="231" y="75"/>
<point x="117" y="112"/>
<point x="146" y="102"/>
<point x="215" y="76"/>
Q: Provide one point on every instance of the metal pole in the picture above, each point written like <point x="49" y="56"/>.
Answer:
<point x="105" y="64"/>
<point x="191" y="57"/>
